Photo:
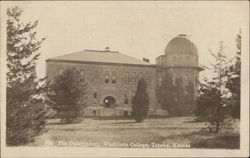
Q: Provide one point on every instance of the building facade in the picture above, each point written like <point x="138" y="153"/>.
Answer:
<point x="112" y="76"/>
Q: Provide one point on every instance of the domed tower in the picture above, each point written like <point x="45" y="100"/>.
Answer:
<point x="180" y="62"/>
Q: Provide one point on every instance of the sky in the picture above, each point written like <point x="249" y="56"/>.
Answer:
<point x="138" y="29"/>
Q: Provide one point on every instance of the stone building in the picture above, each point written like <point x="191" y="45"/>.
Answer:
<point x="112" y="76"/>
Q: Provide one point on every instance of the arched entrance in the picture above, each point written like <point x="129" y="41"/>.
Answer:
<point x="109" y="102"/>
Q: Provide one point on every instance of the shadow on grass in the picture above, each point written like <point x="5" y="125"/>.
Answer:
<point x="211" y="140"/>
<point x="63" y="123"/>
<point x="193" y="121"/>
<point x="112" y="118"/>
<point x="227" y="142"/>
<point x="130" y="122"/>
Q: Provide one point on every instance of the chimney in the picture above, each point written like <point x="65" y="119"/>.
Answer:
<point x="145" y="60"/>
<point x="182" y="35"/>
<point x="107" y="49"/>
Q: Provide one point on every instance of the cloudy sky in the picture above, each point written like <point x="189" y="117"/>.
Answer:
<point x="139" y="29"/>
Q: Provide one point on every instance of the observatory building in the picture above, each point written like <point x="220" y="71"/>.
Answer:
<point x="112" y="78"/>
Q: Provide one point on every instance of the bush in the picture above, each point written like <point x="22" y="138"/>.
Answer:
<point x="140" y="102"/>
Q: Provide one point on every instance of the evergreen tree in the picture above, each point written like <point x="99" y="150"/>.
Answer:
<point x="167" y="98"/>
<point x="25" y="110"/>
<point x="178" y="90"/>
<point x="69" y="95"/>
<point x="190" y="98"/>
<point x="140" y="101"/>
<point x="212" y="100"/>
<point x="233" y="83"/>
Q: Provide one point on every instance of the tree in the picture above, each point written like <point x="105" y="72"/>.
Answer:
<point x="69" y="95"/>
<point x="179" y="110"/>
<point x="25" y="106"/>
<point x="190" y="98"/>
<point x="166" y="95"/>
<point x="233" y="83"/>
<point x="212" y="98"/>
<point x="140" y="101"/>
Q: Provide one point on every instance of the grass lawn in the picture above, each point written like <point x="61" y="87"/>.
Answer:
<point x="175" y="132"/>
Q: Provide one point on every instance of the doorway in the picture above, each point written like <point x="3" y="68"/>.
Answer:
<point x="109" y="102"/>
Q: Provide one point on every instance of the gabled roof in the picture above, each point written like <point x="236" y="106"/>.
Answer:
<point x="100" y="57"/>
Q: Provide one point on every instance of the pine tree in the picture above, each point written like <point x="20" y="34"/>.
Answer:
<point x="69" y="95"/>
<point x="233" y="83"/>
<point x="213" y="99"/>
<point x="167" y="98"/>
<point x="140" y="101"/>
<point x="178" y="90"/>
<point x="190" y="98"/>
<point x="25" y="110"/>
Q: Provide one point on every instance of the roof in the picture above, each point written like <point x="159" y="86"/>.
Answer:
<point x="181" y="45"/>
<point x="100" y="57"/>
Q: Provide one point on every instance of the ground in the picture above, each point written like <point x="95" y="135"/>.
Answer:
<point x="175" y="132"/>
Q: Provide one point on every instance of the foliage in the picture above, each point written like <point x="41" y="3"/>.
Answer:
<point x="140" y="101"/>
<point x="233" y="83"/>
<point x="167" y="98"/>
<point x="25" y="106"/>
<point x="69" y="95"/>
<point x="176" y="99"/>
<point x="190" y="101"/>
<point x="213" y="94"/>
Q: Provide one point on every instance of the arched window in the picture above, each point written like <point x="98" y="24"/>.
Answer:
<point x="113" y="77"/>
<point x="106" y="77"/>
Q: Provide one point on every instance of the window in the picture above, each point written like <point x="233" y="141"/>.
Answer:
<point x="133" y="93"/>
<point x="174" y="80"/>
<point x="126" y="97"/>
<point x="125" y="113"/>
<point x="82" y="74"/>
<point x="60" y="71"/>
<point x="126" y="77"/>
<point x="96" y="75"/>
<point x="94" y="112"/>
<point x="185" y="80"/>
<point x="188" y="59"/>
<point x="95" y="95"/>
<point x="196" y="81"/>
<point x="146" y="76"/>
<point x="133" y="77"/>
<point x="113" y="77"/>
<point x="140" y="75"/>
<point x="159" y="81"/>
<point x="106" y="77"/>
